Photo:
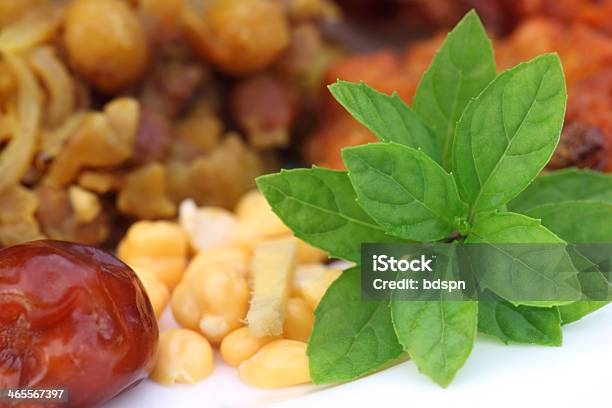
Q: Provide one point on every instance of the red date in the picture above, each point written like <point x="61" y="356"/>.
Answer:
<point x="74" y="317"/>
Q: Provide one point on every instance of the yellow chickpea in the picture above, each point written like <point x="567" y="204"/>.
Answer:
<point x="106" y="43"/>
<point x="213" y="299"/>
<point x="299" y="319"/>
<point x="258" y="222"/>
<point x="310" y="282"/>
<point x="156" y="290"/>
<point x="183" y="356"/>
<point x="241" y="345"/>
<point x="281" y="363"/>
<point x="233" y="257"/>
<point x="159" y="247"/>
<point x="208" y="227"/>
<point x="239" y="36"/>
<point x="254" y="212"/>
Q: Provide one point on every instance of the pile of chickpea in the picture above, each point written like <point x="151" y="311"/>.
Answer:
<point x="201" y="265"/>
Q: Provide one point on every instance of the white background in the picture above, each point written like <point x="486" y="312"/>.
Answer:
<point x="577" y="375"/>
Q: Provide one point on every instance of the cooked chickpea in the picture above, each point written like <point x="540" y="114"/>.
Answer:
<point x="281" y="363"/>
<point x="298" y="320"/>
<point x="208" y="227"/>
<point x="183" y="356"/>
<point x="106" y="43"/>
<point x="241" y="345"/>
<point x="254" y="212"/>
<point x="235" y="38"/>
<point x="259" y="222"/>
<point x="213" y="299"/>
<point x="156" y="290"/>
<point x="232" y="257"/>
<point x="310" y="282"/>
<point x="159" y="247"/>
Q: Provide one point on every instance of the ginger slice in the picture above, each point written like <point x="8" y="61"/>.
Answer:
<point x="272" y="266"/>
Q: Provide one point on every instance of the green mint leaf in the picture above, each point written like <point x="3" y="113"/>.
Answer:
<point x="388" y="117"/>
<point x="522" y="268"/>
<point x="404" y="191"/>
<point x="576" y="221"/>
<point x="507" y="135"/>
<point x="319" y="206"/>
<point x="520" y="324"/>
<point x="577" y="310"/>
<point x="351" y="337"/>
<point x="438" y="335"/>
<point x="564" y="185"/>
<point x="461" y="69"/>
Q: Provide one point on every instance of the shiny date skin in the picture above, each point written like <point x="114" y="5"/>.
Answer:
<point x="74" y="317"/>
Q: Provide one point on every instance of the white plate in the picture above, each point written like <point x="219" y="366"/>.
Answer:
<point x="578" y="374"/>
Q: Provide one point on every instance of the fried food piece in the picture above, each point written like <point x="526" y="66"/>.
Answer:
<point x="153" y="138"/>
<point x="103" y="139"/>
<point x="219" y="178"/>
<point x="143" y="195"/>
<point x="161" y="18"/>
<point x="199" y="132"/>
<point x="106" y="43"/>
<point x="59" y="219"/>
<point x="17" y="222"/>
<point x="589" y="99"/>
<point x="590" y="102"/>
<point x="85" y="204"/>
<point x="581" y="145"/>
<point x="13" y="10"/>
<point x="541" y="35"/>
<point x="596" y="14"/>
<point x="173" y="79"/>
<point x="264" y="107"/>
<point x="101" y="181"/>
<point x="233" y="36"/>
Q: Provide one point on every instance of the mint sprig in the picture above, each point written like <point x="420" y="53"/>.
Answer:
<point x="462" y="164"/>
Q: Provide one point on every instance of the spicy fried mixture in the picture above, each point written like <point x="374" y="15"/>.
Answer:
<point x="113" y="111"/>
<point x="579" y="30"/>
